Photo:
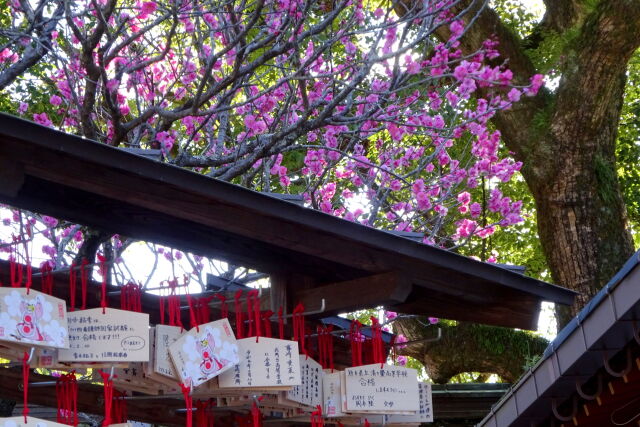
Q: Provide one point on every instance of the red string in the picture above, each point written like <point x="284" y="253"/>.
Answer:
<point x="74" y="396"/>
<point x="316" y="417"/>
<point x="203" y="312"/>
<point x="192" y="314"/>
<point x="366" y="423"/>
<point x="299" y="332"/>
<point x="204" y="417"/>
<point x="25" y="385"/>
<point x="253" y="312"/>
<point x="356" y="343"/>
<point x="15" y="268"/>
<point x="325" y="346"/>
<point x="175" y="315"/>
<point x="72" y="287"/>
<point x="131" y="297"/>
<point x="280" y="324"/>
<point x="250" y="313"/>
<point x="47" y="279"/>
<point x="188" y="400"/>
<point x="239" y="317"/>
<point x="266" y="318"/>
<point x="108" y="398"/>
<point x="59" y="399"/>
<point x="84" y="273"/>
<point x="322" y="355"/>
<point x="103" y="272"/>
<point x="256" y="414"/>
<point x="28" y="262"/>
<point x="161" y="305"/>
<point x="67" y="399"/>
<point x="119" y="407"/>
<point x="224" y="310"/>
<point x="376" y="342"/>
<point x="330" y="350"/>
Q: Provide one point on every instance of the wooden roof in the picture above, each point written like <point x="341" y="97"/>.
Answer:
<point x="590" y="374"/>
<point x="351" y="265"/>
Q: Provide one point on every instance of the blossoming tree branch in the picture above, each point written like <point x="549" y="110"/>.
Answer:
<point x="356" y="107"/>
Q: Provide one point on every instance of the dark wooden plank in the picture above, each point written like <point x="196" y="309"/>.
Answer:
<point x="367" y="292"/>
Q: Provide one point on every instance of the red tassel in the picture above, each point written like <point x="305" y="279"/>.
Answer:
<point x="25" y="385"/>
<point x="108" y="398"/>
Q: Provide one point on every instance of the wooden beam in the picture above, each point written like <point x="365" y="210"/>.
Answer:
<point x="11" y="177"/>
<point x="380" y="289"/>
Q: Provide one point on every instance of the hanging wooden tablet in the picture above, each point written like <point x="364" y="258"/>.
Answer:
<point x="424" y="414"/>
<point x="265" y="362"/>
<point x="31" y="422"/>
<point x="381" y="389"/>
<point x="204" y="352"/>
<point x="331" y="394"/>
<point x="309" y="392"/>
<point x="165" y="336"/>
<point x="33" y="318"/>
<point x="107" y="335"/>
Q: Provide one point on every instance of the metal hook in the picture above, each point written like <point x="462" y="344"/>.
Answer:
<point x="111" y="373"/>
<point x="323" y="307"/>
<point x="31" y="354"/>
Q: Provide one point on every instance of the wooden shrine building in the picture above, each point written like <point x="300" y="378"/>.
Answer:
<point x="308" y="255"/>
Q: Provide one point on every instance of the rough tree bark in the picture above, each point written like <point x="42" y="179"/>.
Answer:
<point x="566" y="138"/>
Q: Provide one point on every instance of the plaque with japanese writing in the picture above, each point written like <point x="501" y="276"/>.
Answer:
<point x="385" y="388"/>
<point x="113" y="336"/>
<point x="309" y="392"/>
<point x="31" y="422"/>
<point x="204" y="352"/>
<point x="33" y="318"/>
<point x="424" y="414"/>
<point x="165" y="336"/>
<point x="264" y="362"/>
<point x="332" y="395"/>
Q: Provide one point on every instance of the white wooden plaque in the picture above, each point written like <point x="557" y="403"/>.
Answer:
<point x="309" y="392"/>
<point x="33" y="318"/>
<point x="115" y="336"/>
<point x="331" y="395"/>
<point x="424" y="414"/>
<point x="31" y="422"/>
<point x="381" y="389"/>
<point x="165" y="336"/>
<point x="269" y="362"/>
<point x="200" y="356"/>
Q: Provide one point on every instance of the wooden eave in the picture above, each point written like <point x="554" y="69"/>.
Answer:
<point x="90" y="183"/>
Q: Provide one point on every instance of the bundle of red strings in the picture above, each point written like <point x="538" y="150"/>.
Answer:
<point x="67" y="399"/>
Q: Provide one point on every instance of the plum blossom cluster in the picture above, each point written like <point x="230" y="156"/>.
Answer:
<point x="360" y="110"/>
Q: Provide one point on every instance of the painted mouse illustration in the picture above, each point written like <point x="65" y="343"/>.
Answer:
<point x="31" y="312"/>
<point x="210" y="362"/>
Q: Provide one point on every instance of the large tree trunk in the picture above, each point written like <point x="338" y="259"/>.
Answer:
<point x="566" y="138"/>
<point x="581" y="215"/>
